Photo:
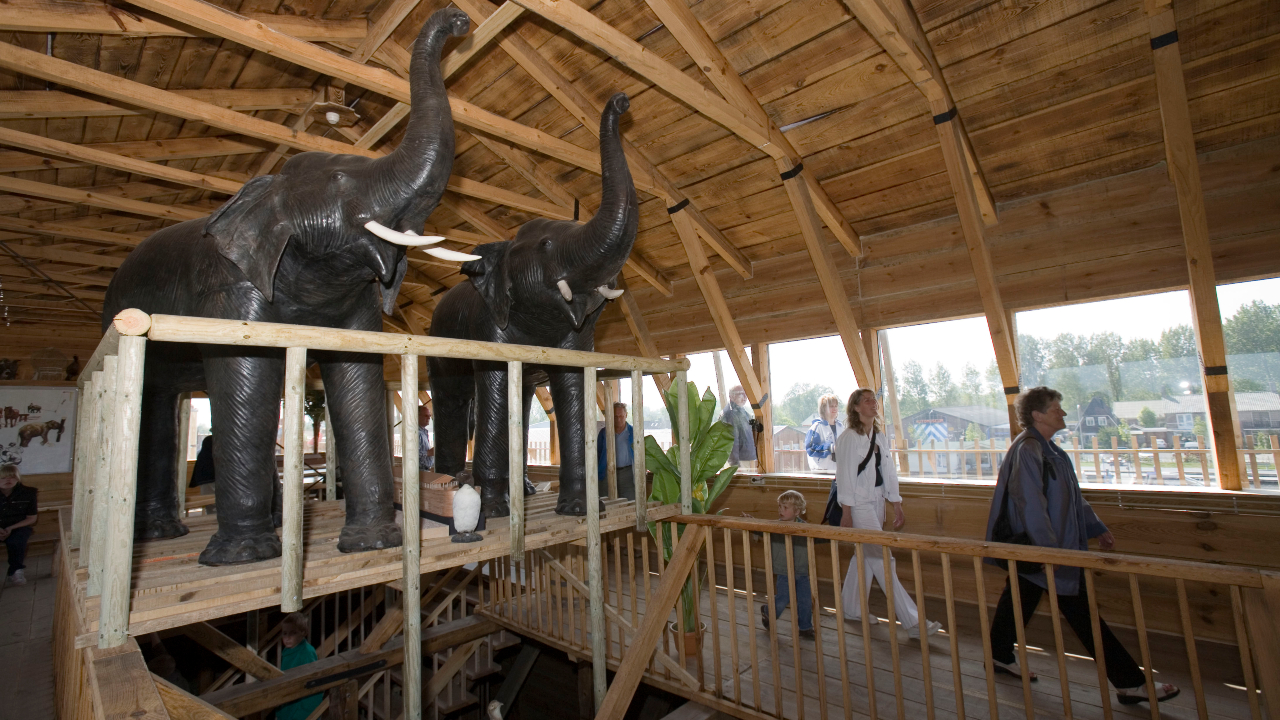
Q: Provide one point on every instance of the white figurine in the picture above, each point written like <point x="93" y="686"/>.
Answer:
<point x="466" y="513"/>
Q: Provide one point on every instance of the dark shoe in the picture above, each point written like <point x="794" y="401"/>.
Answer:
<point x="1133" y="696"/>
<point x="764" y="616"/>
<point x="808" y="634"/>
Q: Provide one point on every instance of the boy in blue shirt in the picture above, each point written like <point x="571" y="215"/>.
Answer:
<point x="297" y="651"/>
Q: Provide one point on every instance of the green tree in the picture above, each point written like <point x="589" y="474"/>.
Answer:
<point x="913" y="390"/>
<point x="800" y="402"/>
<point x="1178" y="342"/>
<point x="1255" y="328"/>
<point x="1200" y="428"/>
<point x="1147" y="417"/>
<point x="974" y="432"/>
<point x="942" y="390"/>
<point x="1031" y="360"/>
<point x="970" y="385"/>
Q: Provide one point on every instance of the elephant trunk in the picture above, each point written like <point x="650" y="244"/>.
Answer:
<point x="423" y="160"/>
<point x="606" y="240"/>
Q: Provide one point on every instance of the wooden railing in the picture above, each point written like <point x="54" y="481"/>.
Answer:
<point x="1117" y="464"/>
<point x="851" y="669"/>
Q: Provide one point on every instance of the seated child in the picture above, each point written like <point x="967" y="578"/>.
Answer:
<point x="17" y="516"/>
<point x="791" y="506"/>
<point x="297" y="651"/>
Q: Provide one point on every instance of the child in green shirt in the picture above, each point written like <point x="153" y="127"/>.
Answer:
<point x="297" y="651"/>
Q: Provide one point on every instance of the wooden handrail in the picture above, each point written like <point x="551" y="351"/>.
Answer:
<point x="1141" y="565"/>
<point x="174" y="328"/>
<point x="627" y="679"/>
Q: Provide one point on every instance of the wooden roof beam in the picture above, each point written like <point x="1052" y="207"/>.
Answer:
<point x="151" y="150"/>
<point x="28" y="104"/>
<point x="89" y="295"/>
<point x="59" y="230"/>
<point x="39" y="16"/>
<point x="66" y="278"/>
<point x="896" y="27"/>
<point x="1184" y="172"/>
<point x="73" y="257"/>
<point x="681" y="22"/>
<point x="96" y="199"/>
<point x="640" y="330"/>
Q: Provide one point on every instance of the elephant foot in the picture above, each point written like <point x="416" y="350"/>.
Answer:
<point x="362" y="538"/>
<point x="147" y="526"/>
<point x="239" y="550"/>
<point x="495" y="503"/>
<point x="573" y="500"/>
<point x="529" y="488"/>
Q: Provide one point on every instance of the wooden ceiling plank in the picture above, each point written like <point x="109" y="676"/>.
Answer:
<point x="528" y="168"/>
<point x="38" y="16"/>
<point x="640" y="330"/>
<point x="30" y="104"/>
<point x="70" y="151"/>
<point x="499" y="196"/>
<point x="59" y="230"/>
<point x="47" y="290"/>
<point x="896" y="27"/>
<point x="66" y="256"/>
<point x="96" y="199"/>
<point x="828" y="277"/>
<point x="461" y="236"/>
<point x="380" y="30"/>
<point x="477" y="217"/>
<point x="1184" y="172"/>
<point x="485" y="33"/>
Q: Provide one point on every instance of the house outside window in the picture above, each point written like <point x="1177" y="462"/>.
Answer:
<point x="1185" y="421"/>
<point x="1088" y="421"/>
<point x="1102" y="421"/>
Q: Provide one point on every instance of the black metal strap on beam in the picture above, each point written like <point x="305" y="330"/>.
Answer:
<point x="763" y="399"/>
<point x="945" y="117"/>
<point x="439" y="290"/>
<point x="678" y="207"/>
<point x="1215" y="369"/>
<point x="1012" y="390"/>
<point x="1168" y="38"/>
<point x="575" y="209"/>
<point x="799" y="168"/>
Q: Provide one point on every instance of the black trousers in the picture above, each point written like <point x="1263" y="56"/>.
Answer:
<point x="1122" y="671"/>
<point x="16" y="544"/>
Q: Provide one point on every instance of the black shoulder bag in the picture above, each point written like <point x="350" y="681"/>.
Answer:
<point x="834" y="512"/>
<point x="1003" y="530"/>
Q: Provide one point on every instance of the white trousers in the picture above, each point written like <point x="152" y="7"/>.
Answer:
<point x="871" y="517"/>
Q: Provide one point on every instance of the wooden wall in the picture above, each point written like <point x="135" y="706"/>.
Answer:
<point x="1106" y="238"/>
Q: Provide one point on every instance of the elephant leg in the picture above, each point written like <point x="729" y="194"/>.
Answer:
<point x="527" y="401"/>
<point x="156" y="514"/>
<point x="452" y="389"/>
<point x="357" y="398"/>
<point x="490" y="463"/>
<point x="567" y="394"/>
<point x="243" y="386"/>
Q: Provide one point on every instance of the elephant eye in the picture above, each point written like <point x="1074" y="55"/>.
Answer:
<point x="546" y="243"/>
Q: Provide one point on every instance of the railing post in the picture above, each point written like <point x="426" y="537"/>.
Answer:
<point x="411" y="531"/>
<point x="180" y="458"/>
<point x="295" y="378"/>
<point x="102" y="472"/>
<point x="515" y="457"/>
<point x="682" y="421"/>
<point x="599" y="663"/>
<point x="330" y="456"/>
<point x="637" y="450"/>
<point x="82" y="475"/>
<point x="117" y="567"/>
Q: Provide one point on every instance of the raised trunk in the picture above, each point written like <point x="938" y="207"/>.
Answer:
<point x="422" y="162"/>
<point x="606" y="240"/>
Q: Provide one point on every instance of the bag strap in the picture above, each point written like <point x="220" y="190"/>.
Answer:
<point x="870" y="450"/>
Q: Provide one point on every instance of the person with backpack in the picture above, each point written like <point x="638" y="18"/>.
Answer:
<point x="863" y="484"/>
<point x="1037" y="501"/>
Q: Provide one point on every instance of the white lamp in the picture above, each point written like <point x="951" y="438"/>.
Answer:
<point x="466" y="514"/>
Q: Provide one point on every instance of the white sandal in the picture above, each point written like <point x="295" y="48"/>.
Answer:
<point x="1013" y="669"/>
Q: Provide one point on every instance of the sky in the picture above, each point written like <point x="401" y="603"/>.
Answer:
<point x="957" y="342"/>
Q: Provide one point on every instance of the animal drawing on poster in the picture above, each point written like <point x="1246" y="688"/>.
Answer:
<point x="33" y="408"/>
<point x="320" y="243"/>
<point x="41" y="430"/>
<point x="546" y="287"/>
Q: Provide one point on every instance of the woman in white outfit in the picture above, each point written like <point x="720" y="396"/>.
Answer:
<point x="862" y="494"/>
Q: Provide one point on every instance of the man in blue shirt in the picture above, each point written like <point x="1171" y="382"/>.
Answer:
<point x="623" y="436"/>
<point x="426" y="454"/>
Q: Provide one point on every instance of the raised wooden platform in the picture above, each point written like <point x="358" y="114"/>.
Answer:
<point x="170" y="589"/>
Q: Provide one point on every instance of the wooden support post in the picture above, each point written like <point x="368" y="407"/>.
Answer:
<point x="637" y="451"/>
<point x="224" y="647"/>
<point x="599" y="662"/>
<point x="721" y="395"/>
<point x="180" y="458"/>
<point x="515" y="457"/>
<point x="764" y="443"/>
<point x="544" y="398"/>
<point x="86" y="417"/>
<point x="610" y="438"/>
<point x="96" y="522"/>
<point x="1184" y="171"/>
<point x="682" y="426"/>
<point x="1262" y="608"/>
<point x="117" y="566"/>
<point x="410" y="501"/>
<point x="330" y="456"/>
<point x="891" y="393"/>
<point x="295" y="382"/>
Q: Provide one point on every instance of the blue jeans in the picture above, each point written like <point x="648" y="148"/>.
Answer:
<point x="804" y="599"/>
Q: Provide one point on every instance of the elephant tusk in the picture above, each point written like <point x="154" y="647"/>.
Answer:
<point x="407" y="239"/>
<point x="609" y="293"/>
<point x="564" y="290"/>
<point x="452" y="255"/>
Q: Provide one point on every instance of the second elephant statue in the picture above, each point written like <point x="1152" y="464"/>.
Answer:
<point x="546" y="287"/>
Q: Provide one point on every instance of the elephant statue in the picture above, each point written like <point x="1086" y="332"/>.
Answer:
<point x="546" y="287"/>
<point x="312" y="245"/>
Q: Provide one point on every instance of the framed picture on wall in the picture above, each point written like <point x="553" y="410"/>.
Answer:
<point x="37" y="427"/>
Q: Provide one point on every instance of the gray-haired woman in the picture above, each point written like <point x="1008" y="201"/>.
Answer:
<point x="1045" y="502"/>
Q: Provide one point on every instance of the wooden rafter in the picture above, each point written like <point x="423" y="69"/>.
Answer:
<point x="39" y="16"/>
<point x="1184" y="171"/>
<point x="12" y="161"/>
<point x="27" y="104"/>
<point x="59" y="230"/>
<point x="96" y="199"/>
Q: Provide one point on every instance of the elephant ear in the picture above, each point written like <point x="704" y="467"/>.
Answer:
<point x="251" y="230"/>
<point x="490" y="276"/>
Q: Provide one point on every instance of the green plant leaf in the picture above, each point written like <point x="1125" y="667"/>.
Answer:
<point x="713" y="450"/>
<point x="721" y="482"/>
<point x="704" y="408"/>
<point x="666" y="487"/>
<point x="655" y="458"/>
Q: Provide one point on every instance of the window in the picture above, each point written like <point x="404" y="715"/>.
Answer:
<point x="1089" y="421"/>
<point x="1185" y="422"/>
<point x="1251" y="330"/>
<point x="1103" y="421"/>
